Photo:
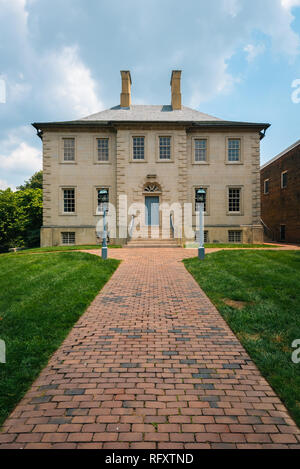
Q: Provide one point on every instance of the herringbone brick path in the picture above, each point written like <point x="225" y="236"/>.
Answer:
<point x="151" y="364"/>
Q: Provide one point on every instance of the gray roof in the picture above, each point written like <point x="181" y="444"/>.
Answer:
<point x="151" y="114"/>
<point x="141" y="113"/>
<point x="284" y="152"/>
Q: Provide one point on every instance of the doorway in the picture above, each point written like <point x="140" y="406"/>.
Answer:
<point x="152" y="211"/>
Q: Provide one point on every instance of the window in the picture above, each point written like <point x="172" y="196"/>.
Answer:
<point x="282" y="232"/>
<point x="164" y="148"/>
<point x="234" y="149"/>
<point x="138" y="148"/>
<point x="102" y="200"/>
<point x="234" y="236"/>
<point x="205" y="236"/>
<point x="200" y="149"/>
<point x="234" y="200"/>
<point x="199" y="193"/>
<point x="102" y="149"/>
<point x="266" y="186"/>
<point x="69" y="200"/>
<point x="69" y="149"/>
<point x="68" y="238"/>
<point x="284" y="180"/>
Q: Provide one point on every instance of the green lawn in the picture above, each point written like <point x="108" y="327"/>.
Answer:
<point x="233" y="246"/>
<point x="41" y="297"/>
<point x="258" y="294"/>
<point x="64" y="248"/>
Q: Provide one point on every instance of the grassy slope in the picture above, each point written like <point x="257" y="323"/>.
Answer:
<point x="41" y="297"/>
<point x="234" y="246"/>
<point x="269" y="283"/>
<point x="64" y="248"/>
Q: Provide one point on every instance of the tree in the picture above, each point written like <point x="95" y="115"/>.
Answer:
<point x="29" y="215"/>
<point x="8" y="230"/>
<point x="35" y="182"/>
<point x="20" y="218"/>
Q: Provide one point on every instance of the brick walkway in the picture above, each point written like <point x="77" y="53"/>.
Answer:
<point x="151" y="364"/>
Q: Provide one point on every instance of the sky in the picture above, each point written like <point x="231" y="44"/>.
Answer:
<point x="61" y="60"/>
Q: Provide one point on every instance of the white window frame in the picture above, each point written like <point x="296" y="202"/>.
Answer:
<point x="138" y="160"/>
<point x="62" y="199"/>
<point x="235" y="232"/>
<point x="103" y="136"/>
<point x="233" y="137"/>
<point x="240" y="212"/>
<point x="68" y="233"/>
<point x="165" y="160"/>
<point x="62" y="149"/>
<point x="194" y="139"/>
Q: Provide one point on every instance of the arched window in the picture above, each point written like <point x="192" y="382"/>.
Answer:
<point x="152" y="188"/>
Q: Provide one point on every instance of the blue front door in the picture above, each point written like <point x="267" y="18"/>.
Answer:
<point x="152" y="211"/>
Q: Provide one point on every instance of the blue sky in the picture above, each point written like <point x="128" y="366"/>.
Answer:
<point x="61" y="59"/>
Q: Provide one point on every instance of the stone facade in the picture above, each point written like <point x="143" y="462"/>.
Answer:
<point x="281" y="205"/>
<point x="176" y="179"/>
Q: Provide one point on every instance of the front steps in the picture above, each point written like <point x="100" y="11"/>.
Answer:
<point x="152" y="243"/>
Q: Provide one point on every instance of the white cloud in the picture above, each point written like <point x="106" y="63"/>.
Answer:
<point x="253" y="51"/>
<point x="20" y="159"/>
<point x="289" y="4"/>
<point x="70" y="85"/>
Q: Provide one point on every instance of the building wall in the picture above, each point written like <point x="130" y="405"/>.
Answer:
<point x="282" y="206"/>
<point x="177" y="179"/>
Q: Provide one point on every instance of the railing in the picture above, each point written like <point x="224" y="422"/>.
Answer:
<point x="131" y="227"/>
<point x="172" y="225"/>
<point x="268" y="231"/>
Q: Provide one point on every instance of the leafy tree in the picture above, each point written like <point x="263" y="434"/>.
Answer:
<point x="20" y="218"/>
<point x="35" y="182"/>
<point x="8" y="231"/>
<point x="29" y="215"/>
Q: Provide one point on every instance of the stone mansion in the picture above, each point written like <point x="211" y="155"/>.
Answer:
<point x="137" y="159"/>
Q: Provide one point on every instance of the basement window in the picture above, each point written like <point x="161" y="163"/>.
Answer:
<point x="234" y="236"/>
<point x="68" y="238"/>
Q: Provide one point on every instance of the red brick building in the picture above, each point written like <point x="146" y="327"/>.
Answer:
<point x="280" y="196"/>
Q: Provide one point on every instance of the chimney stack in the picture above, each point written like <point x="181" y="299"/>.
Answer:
<point x="126" y="88"/>
<point x="176" y="90"/>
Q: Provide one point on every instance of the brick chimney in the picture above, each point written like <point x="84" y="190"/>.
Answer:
<point x="126" y="88"/>
<point x="176" y="90"/>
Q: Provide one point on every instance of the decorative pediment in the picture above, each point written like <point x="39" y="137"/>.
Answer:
<point x="152" y="188"/>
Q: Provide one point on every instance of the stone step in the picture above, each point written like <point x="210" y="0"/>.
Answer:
<point x="138" y="246"/>
<point x="152" y="243"/>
